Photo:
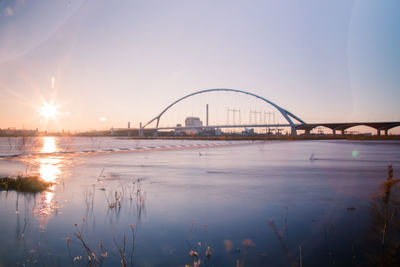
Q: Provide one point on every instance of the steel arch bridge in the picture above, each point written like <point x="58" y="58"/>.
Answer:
<point x="285" y="113"/>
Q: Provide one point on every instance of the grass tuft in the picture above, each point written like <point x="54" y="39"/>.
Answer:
<point x="26" y="184"/>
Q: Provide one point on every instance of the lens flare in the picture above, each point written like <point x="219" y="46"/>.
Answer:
<point x="48" y="110"/>
<point x="53" y="82"/>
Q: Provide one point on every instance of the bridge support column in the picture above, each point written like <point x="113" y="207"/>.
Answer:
<point x="334" y="132"/>
<point x="386" y="132"/>
<point x="293" y="131"/>
<point x="308" y="132"/>
<point x="343" y="132"/>
<point x="378" y="132"/>
<point x="140" y="132"/>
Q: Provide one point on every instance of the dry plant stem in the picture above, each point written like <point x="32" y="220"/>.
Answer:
<point x="40" y="255"/>
<point x="390" y="182"/>
<point x="90" y="253"/>
<point x="70" y="254"/>
<point x="103" y="253"/>
<point x="133" y="244"/>
<point x="301" y="258"/>
<point x="122" y="188"/>
<point x="354" y="255"/>
<point x="386" y="249"/>
<point x="122" y="251"/>
<point x="285" y="249"/>
<point x="101" y="176"/>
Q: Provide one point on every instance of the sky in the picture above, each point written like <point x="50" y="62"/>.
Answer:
<point x="104" y="63"/>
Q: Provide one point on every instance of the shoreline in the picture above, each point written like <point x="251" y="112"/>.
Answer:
<point x="267" y="138"/>
<point x="235" y="137"/>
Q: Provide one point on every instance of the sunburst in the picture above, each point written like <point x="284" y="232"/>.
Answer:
<point x="48" y="111"/>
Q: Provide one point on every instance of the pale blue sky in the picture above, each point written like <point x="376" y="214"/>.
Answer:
<point x="127" y="60"/>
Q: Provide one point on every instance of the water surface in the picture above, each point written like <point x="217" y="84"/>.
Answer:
<point x="256" y="203"/>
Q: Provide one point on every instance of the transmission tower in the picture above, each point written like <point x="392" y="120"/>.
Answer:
<point x="234" y="111"/>
<point x="257" y="115"/>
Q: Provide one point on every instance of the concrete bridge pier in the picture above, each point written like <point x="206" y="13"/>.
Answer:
<point x="386" y="131"/>
<point x="140" y="130"/>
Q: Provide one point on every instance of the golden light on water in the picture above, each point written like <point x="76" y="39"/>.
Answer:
<point x="49" y="169"/>
<point x="49" y="145"/>
<point x="48" y="197"/>
<point x="45" y="208"/>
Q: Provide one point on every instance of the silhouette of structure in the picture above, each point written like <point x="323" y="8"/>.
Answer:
<point x="285" y="113"/>
<point x="342" y="127"/>
<point x="293" y="121"/>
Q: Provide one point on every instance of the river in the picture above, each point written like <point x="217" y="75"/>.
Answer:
<point x="177" y="202"/>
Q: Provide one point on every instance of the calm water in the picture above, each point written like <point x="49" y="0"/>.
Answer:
<point x="251" y="203"/>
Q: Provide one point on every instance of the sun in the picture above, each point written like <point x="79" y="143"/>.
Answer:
<point x="48" y="110"/>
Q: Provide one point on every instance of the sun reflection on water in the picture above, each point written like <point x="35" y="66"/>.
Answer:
<point x="49" y="169"/>
<point x="49" y="145"/>
<point x="49" y="166"/>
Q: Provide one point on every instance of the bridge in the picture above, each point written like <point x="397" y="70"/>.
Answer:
<point x="293" y="121"/>
<point x="342" y="127"/>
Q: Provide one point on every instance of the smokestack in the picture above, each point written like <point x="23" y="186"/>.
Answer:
<point x="206" y="114"/>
